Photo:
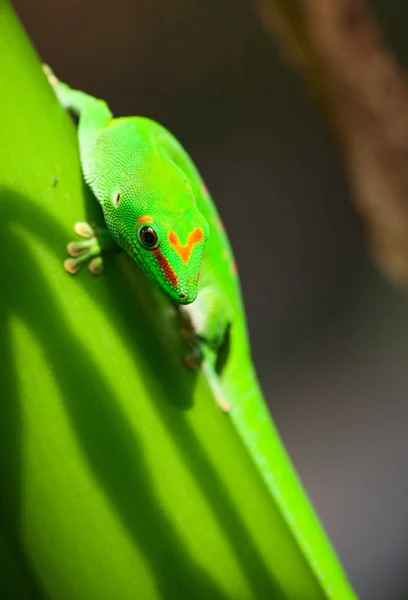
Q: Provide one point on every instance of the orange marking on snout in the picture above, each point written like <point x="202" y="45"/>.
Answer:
<point x="185" y="250"/>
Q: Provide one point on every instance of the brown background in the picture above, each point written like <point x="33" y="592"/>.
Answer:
<point x="330" y="337"/>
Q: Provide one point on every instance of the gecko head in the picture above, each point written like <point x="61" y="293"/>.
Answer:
<point x="166" y="241"/>
<point x="169" y="248"/>
<point x="151" y="211"/>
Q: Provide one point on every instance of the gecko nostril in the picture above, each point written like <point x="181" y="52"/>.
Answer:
<point x="183" y="296"/>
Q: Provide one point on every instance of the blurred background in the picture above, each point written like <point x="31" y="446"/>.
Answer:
<point x="329" y="335"/>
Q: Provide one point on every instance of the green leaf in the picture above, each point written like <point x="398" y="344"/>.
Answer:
<point x="121" y="477"/>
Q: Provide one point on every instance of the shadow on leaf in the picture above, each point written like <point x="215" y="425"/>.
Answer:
<point x="108" y="442"/>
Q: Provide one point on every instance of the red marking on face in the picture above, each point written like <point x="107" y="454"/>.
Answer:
<point x="165" y="267"/>
<point x="185" y="250"/>
<point x="144" y="219"/>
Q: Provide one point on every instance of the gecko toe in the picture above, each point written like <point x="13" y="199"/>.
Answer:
<point x="74" y="249"/>
<point x="96" y="265"/>
<point x="49" y="73"/>
<point x="223" y="404"/>
<point x="71" y="266"/>
<point x="84" y="229"/>
<point x="191" y="362"/>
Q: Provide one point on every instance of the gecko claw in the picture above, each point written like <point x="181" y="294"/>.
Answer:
<point x="185" y="335"/>
<point x="53" y="80"/>
<point x="223" y="404"/>
<point x="96" y="265"/>
<point x="71" y="266"/>
<point x="189" y="362"/>
<point x="85" y="230"/>
<point x="193" y="361"/>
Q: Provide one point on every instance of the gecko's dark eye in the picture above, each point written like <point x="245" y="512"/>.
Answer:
<point x="148" y="237"/>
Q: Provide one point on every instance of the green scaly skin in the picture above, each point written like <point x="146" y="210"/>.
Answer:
<point x="142" y="176"/>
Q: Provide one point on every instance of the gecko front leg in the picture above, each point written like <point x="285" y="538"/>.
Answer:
<point x="90" y="249"/>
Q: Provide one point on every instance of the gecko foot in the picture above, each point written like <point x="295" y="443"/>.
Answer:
<point x="194" y="358"/>
<point x="88" y="249"/>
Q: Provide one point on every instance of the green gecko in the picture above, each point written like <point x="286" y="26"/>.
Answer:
<point x="157" y="208"/>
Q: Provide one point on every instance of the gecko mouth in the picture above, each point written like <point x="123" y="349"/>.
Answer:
<point x="184" y="298"/>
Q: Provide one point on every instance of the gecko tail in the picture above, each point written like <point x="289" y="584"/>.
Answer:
<point x="94" y="111"/>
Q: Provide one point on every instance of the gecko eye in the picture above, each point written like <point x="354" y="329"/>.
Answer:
<point x="116" y="199"/>
<point x="148" y="237"/>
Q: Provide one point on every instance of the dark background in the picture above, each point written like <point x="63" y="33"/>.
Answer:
<point x="329" y="334"/>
